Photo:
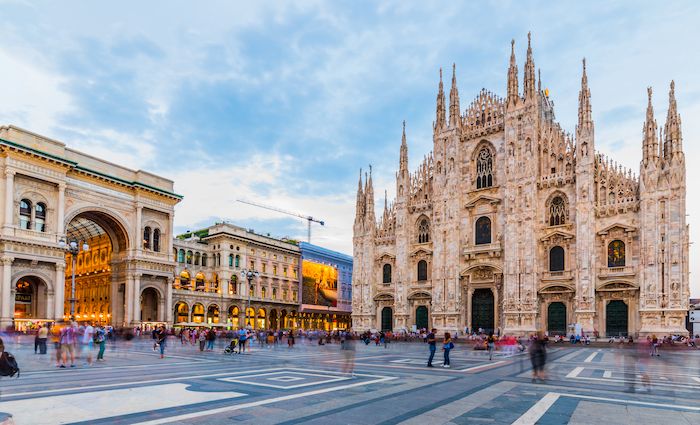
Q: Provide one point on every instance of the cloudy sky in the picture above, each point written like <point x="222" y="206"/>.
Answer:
<point x="282" y="102"/>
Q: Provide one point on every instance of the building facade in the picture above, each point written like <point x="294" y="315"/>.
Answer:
<point x="209" y="287"/>
<point x="512" y="223"/>
<point x="326" y="288"/>
<point x="120" y="220"/>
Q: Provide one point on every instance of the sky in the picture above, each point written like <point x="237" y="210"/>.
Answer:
<point x="282" y="103"/>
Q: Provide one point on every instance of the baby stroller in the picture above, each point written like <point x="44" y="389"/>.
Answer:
<point x="231" y="349"/>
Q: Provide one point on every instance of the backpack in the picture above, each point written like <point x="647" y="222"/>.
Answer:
<point x="8" y="365"/>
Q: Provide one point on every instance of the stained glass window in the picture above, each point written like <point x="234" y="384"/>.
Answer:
<point x="424" y="231"/>
<point x="616" y="254"/>
<point x="484" y="169"/>
<point x="483" y="231"/>
<point x="557" y="212"/>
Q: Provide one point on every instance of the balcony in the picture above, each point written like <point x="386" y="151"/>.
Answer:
<point x="33" y="234"/>
<point x="624" y="271"/>
<point x="556" y="276"/>
<point x="491" y="250"/>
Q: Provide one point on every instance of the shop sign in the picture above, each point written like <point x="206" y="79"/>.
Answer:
<point x="23" y="298"/>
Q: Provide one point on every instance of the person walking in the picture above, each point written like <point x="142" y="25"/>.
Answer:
<point x="202" y="338"/>
<point x="42" y="336"/>
<point x="68" y="339"/>
<point x="290" y="338"/>
<point x="491" y="344"/>
<point x="538" y="357"/>
<point x="86" y="342"/>
<point x="101" y="338"/>
<point x="242" y="337"/>
<point x="446" y="347"/>
<point x="654" y="346"/>
<point x="431" y="346"/>
<point x="161" y="337"/>
<point x="211" y="337"/>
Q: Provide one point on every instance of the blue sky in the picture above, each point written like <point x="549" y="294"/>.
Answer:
<point x="283" y="102"/>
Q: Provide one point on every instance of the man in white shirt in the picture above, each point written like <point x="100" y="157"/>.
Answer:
<point x="87" y="341"/>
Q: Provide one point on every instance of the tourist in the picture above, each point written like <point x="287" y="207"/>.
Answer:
<point x="42" y="336"/>
<point x="87" y="342"/>
<point x="431" y="346"/>
<point x="491" y="344"/>
<point x="654" y="346"/>
<point x="211" y="337"/>
<point x="202" y="338"/>
<point x="100" y="338"/>
<point x="162" y="335"/>
<point x="538" y="356"/>
<point x="68" y="339"/>
<point x="290" y="339"/>
<point x="446" y="347"/>
<point x="242" y="337"/>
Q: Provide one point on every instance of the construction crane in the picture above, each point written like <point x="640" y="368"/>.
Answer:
<point x="308" y="218"/>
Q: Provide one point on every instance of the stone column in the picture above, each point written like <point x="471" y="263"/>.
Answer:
<point x="6" y="292"/>
<point x="138" y="232"/>
<point x="136" y="318"/>
<point x="470" y="293"/>
<point x="61" y="209"/>
<point x="59" y="292"/>
<point x="128" y="300"/>
<point x="169" y="301"/>
<point x="9" y="197"/>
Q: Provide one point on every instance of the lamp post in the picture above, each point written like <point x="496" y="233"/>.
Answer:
<point x="249" y="275"/>
<point x="73" y="248"/>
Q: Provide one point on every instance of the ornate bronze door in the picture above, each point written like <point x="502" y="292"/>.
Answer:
<point x="387" y="319"/>
<point x="482" y="310"/>
<point x="616" y="318"/>
<point x="556" y="319"/>
<point x="422" y="317"/>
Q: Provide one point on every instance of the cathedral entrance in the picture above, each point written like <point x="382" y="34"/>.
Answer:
<point x="100" y="245"/>
<point x="387" y="319"/>
<point x="556" y="319"/>
<point x="616" y="318"/>
<point x="483" y="309"/>
<point x="422" y="317"/>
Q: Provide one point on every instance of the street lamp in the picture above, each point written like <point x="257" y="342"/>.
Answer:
<point x="249" y="275"/>
<point x="73" y="248"/>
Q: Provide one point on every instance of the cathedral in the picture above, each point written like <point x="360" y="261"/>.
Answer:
<point x="513" y="224"/>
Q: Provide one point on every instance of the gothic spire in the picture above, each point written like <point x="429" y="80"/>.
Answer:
<point x="650" y="148"/>
<point x="403" y="160"/>
<point x="585" y="121"/>
<point x="512" y="77"/>
<point x="440" y="107"/>
<point x="369" y="200"/>
<point x="454" y="100"/>
<point x="529" y="78"/>
<point x="359" y="205"/>
<point x="673" y="140"/>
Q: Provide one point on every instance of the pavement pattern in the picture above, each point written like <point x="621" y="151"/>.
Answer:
<point x="367" y="385"/>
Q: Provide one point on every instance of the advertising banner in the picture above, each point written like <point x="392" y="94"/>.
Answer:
<point x="319" y="284"/>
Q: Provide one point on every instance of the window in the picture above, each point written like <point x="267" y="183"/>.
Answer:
<point x="181" y="256"/>
<point x="25" y="214"/>
<point x="294" y="295"/>
<point x="230" y="260"/>
<point x="386" y="273"/>
<point x="557" y="211"/>
<point x="199" y="282"/>
<point x="238" y="261"/>
<point x="556" y="259"/>
<point x="156" y="240"/>
<point x="274" y="293"/>
<point x="233" y="285"/>
<point x="482" y="231"/>
<point x="263" y="292"/>
<point x="185" y="280"/>
<point x="484" y="169"/>
<point x="616" y="254"/>
<point x="204" y="260"/>
<point x="147" y="238"/>
<point x="252" y="264"/>
<point x="189" y="257"/>
<point x="422" y="270"/>
<point x="424" y="231"/>
<point x="274" y="270"/>
<point x="196" y="258"/>
<point x="252" y="290"/>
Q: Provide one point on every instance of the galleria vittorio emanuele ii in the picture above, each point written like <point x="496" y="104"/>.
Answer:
<point x="513" y="224"/>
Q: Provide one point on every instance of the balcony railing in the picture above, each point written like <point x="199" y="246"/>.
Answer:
<point x="616" y="271"/>
<point x="492" y="249"/>
<point x="558" y="275"/>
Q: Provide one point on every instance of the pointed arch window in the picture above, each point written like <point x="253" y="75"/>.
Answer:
<point x="156" y="240"/>
<point x="557" y="211"/>
<point x="147" y="238"/>
<point x="482" y="231"/>
<point x="40" y="217"/>
<point x="25" y="214"/>
<point x="386" y="273"/>
<point x="556" y="259"/>
<point x="484" y="169"/>
<point x="424" y="231"/>
<point x="422" y="270"/>
<point x="616" y="253"/>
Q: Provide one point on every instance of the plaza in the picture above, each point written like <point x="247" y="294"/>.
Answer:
<point x="604" y="383"/>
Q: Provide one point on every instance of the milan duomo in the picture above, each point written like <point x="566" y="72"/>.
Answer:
<point x="513" y="224"/>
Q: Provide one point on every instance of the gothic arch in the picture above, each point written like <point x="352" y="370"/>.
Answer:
<point x="422" y="229"/>
<point x="557" y="212"/>
<point x="483" y="158"/>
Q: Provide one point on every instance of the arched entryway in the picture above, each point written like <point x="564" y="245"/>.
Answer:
<point x="149" y="305"/>
<point x="556" y="318"/>
<point x="31" y="302"/>
<point x="101" y="243"/>
<point x="483" y="309"/>
<point x="261" y="319"/>
<point x="233" y="313"/>
<point x="387" y="319"/>
<point x="250" y="317"/>
<point x="213" y="314"/>
<point x="422" y="317"/>
<point x="182" y="312"/>
<point x="273" y="319"/>
<point x="198" y="313"/>
<point x="616" y="318"/>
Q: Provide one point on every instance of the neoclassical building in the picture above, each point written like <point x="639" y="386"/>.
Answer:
<point x="209" y="287"/>
<point x="121" y="221"/>
<point x="513" y="223"/>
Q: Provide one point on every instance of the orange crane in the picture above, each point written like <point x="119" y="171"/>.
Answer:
<point x="308" y="218"/>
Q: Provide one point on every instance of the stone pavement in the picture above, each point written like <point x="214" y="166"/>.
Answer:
<point x="370" y="385"/>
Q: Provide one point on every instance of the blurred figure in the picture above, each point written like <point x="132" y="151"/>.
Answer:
<point x="538" y="356"/>
<point x="162" y="335"/>
<point x="100" y="338"/>
<point x="347" y="346"/>
<point x="68" y="339"/>
<point x="491" y="344"/>
<point x="42" y="336"/>
<point x="86" y="342"/>
<point x="654" y="349"/>
<point x="446" y="347"/>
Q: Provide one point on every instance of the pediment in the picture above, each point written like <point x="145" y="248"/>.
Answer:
<point x="419" y="295"/>
<point x="555" y="289"/>
<point x="385" y="255"/>
<point x="384" y="297"/>
<point x="421" y="250"/>
<point x="482" y="198"/>
<point x="624" y="227"/>
<point x="557" y="233"/>
<point x="618" y="286"/>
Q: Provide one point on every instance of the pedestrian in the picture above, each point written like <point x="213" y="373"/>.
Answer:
<point x="68" y="339"/>
<point x="162" y="335"/>
<point x="36" y="341"/>
<point x="202" y="338"/>
<point x="431" y="346"/>
<point x="446" y="347"/>
<point x="86" y="342"/>
<point x="491" y="344"/>
<point x="42" y="335"/>
<point x="538" y="357"/>
<point x="101" y="340"/>
<point x="242" y="337"/>
<point x="211" y="337"/>
<point x="654" y="346"/>
<point x="290" y="339"/>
